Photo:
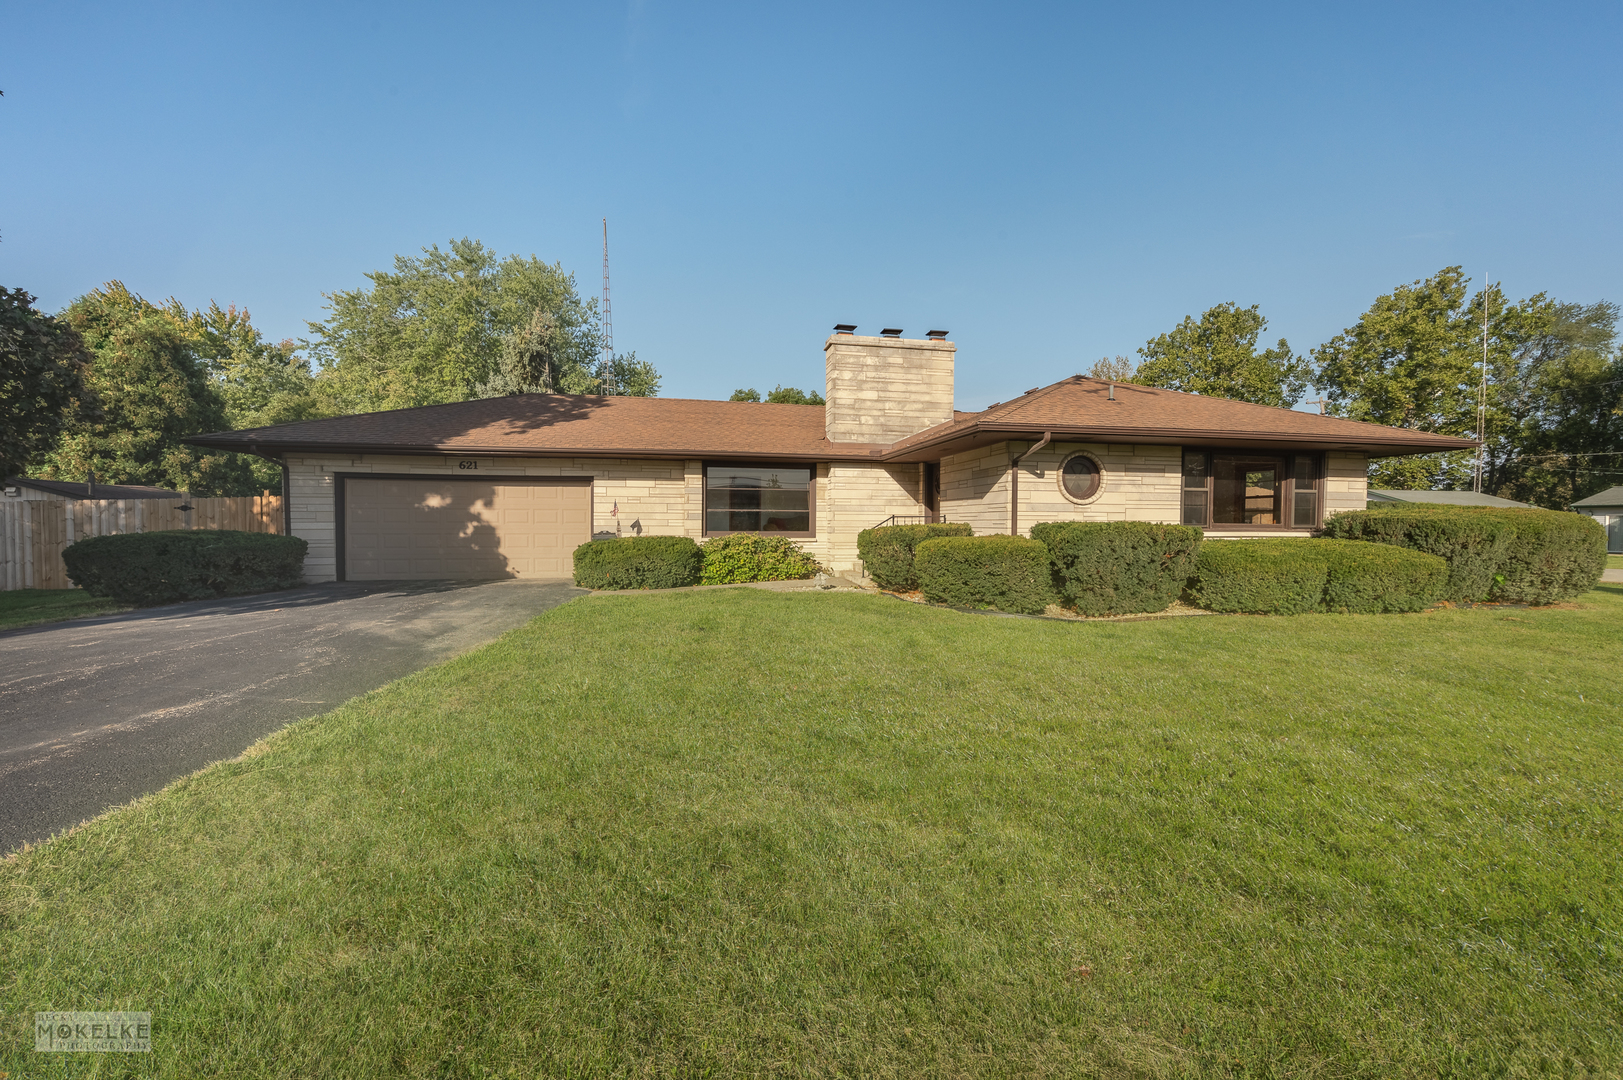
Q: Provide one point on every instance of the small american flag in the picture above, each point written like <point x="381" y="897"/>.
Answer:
<point x="616" y="511"/>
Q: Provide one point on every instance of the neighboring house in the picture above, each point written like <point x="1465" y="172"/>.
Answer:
<point x="19" y="488"/>
<point x="1446" y="498"/>
<point x="1606" y="507"/>
<point x="510" y="486"/>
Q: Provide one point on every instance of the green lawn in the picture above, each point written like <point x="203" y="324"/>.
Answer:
<point x="25" y="607"/>
<point x="739" y="833"/>
<point x="1614" y="562"/>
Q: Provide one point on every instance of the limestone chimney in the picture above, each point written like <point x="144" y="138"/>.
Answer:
<point x="883" y="389"/>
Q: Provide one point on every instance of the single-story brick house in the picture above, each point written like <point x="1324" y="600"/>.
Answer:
<point x="510" y="486"/>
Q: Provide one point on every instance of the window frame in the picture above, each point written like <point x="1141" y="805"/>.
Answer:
<point x="1098" y="488"/>
<point x="811" y="498"/>
<point x="1287" y="495"/>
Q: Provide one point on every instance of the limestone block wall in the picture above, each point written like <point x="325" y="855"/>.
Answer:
<point x="1137" y="483"/>
<point x="975" y="488"/>
<point x="853" y="496"/>
<point x="881" y="390"/>
<point x="1346" y="482"/>
<point x="655" y="498"/>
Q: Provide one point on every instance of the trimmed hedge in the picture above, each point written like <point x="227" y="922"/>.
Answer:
<point x="1367" y="579"/>
<point x="638" y="562"/>
<point x="1118" y="567"/>
<point x="1258" y="577"/>
<point x="184" y="564"/>
<point x="1007" y="573"/>
<point x="745" y="557"/>
<point x="1522" y="556"/>
<point x="887" y="552"/>
<point x="1289" y="577"/>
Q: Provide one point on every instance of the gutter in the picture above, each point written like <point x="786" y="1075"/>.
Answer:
<point x="1014" y="483"/>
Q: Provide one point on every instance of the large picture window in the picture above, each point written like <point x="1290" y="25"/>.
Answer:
<point x="1255" y="490"/>
<point x="758" y="498"/>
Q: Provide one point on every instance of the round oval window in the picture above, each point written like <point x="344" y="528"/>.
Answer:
<point x="1079" y="476"/>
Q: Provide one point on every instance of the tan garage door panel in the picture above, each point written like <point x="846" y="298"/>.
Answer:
<point x="423" y="529"/>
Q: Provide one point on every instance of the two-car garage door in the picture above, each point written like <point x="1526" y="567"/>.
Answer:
<point x="427" y="528"/>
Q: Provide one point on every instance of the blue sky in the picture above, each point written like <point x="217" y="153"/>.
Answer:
<point x="1051" y="183"/>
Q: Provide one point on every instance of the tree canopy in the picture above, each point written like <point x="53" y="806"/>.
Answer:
<point x="42" y="381"/>
<point x="463" y="323"/>
<point x="1218" y="356"/>
<point x="780" y="395"/>
<point x="1551" y="394"/>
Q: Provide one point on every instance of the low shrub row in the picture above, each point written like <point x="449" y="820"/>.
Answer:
<point x="638" y="562"/>
<point x="750" y="557"/>
<point x="1006" y="573"/>
<point x="669" y="562"/>
<point x="1521" y="556"/>
<point x="1118" y="567"/>
<point x="184" y="564"/>
<point x="1289" y="577"/>
<point x="887" y="552"/>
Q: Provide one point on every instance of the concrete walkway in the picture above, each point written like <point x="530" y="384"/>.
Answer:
<point x="96" y="712"/>
<point x="1611" y="575"/>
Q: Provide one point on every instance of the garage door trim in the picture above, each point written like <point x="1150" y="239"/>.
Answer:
<point x="341" y="479"/>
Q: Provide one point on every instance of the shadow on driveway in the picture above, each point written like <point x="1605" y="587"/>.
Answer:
<point x="95" y="712"/>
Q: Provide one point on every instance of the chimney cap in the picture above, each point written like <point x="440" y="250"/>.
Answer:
<point x="890" y="331"/>
<point x="845" y="328"/>
<point x="936" y="335"/>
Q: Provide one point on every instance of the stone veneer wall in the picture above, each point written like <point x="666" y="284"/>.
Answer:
<point x="881" y="390"/>
<point x="1140" y="483"/>
<point x="1346" y="482"/>
<point x="656" y="498"/>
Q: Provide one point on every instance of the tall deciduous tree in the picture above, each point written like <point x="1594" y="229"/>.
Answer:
<point x="154" y="391"/>
<point x="1217" y="356"/>
<point x="457" y="324"/>
<point x="1114" y="369"/>
<point x="1415" y="359"/>
<point x="42" y="381"/>
<point x="258" y="382"/>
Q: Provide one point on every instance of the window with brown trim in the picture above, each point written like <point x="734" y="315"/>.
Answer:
<point x="759" y="497"/>
<point x="1245" y="489"/>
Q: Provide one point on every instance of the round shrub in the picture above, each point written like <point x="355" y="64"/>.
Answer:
<point x="1374" y="578"/>
<point x="1259" y="577"/>
<point x="184" y="564"/>
<point x="1118" y="567"/>
<point x="887" y="552"/>
<point x="1006" y="573"/>
<point x="638" y="562"/>
<point x="743" y="557"/>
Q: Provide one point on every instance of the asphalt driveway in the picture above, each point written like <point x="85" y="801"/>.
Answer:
<point x="96" y="712"/>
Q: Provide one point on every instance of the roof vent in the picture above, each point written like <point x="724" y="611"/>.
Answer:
<point x="936" y="335"/>
<point x="890" y="331"/>
<point x="845" y="328"/>
<point x="1033" y="390"/>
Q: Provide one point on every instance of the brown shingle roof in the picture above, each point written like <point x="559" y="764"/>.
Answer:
<point x="564" y="424"/>
<point x="1080" y="408"/>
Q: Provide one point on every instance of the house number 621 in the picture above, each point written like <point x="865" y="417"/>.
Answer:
<point x="467" y="464"/>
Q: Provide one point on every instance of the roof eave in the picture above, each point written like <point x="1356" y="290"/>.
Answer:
<point x="977" y="435"/>
<point x="857" y="452"/>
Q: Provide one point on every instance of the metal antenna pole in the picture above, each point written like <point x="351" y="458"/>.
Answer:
<point x="1482" y="396"/>
<point x="608" y="319"/>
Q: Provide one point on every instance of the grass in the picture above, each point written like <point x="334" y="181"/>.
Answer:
<point x="1614" y="562"/>
<point x="26" y="607"/>
<point x="738" y="833"/>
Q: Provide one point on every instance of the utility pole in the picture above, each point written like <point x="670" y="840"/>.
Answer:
<point x="608" y="319"/>
<point x="1482" y="397"/>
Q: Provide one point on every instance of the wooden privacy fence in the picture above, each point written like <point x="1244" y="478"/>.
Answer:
<point x="34" y="532"/>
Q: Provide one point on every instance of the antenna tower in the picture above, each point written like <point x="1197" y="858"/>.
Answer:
<point x="1482" y="396"/>
<point x="608" y="319"/>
